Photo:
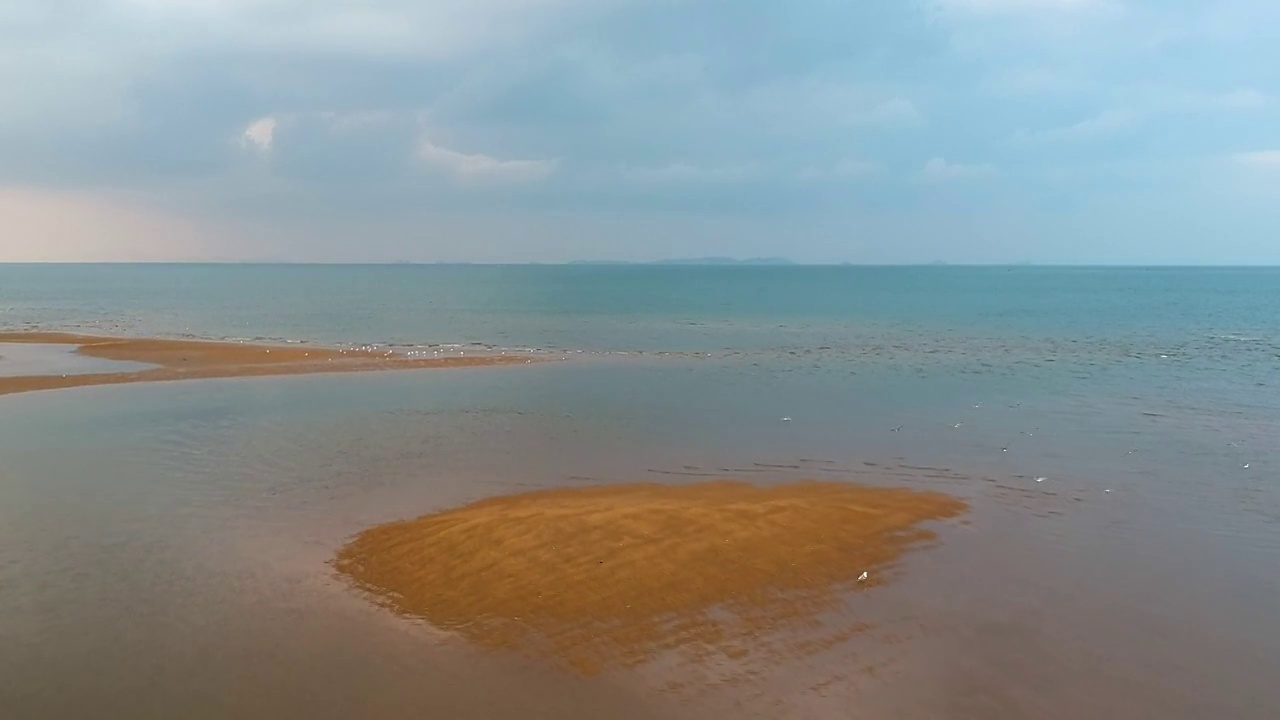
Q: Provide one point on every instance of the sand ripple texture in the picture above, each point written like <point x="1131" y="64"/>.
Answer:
<point x="610" y="576"/>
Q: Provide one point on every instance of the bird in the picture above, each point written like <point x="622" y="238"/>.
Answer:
<point x="958" y="424"/>
<point x="1041" y="479"/>
<point x="863" y="577"/>
<point x="895" y="429"/>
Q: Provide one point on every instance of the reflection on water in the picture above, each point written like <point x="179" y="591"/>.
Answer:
<point x="17" y="360"/>
<point x="164" y="548"/>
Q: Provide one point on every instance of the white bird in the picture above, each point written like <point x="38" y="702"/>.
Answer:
<point x="786" y="419"/>
<point x="1246" y="466"/>
<point x="1041" y="479"/>
<point x="958" y="424"/>
<point x="862" y="577"/>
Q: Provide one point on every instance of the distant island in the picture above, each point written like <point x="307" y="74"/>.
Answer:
<point x="693" y="261"/>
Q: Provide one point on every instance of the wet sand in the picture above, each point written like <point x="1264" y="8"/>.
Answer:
<point x="614" y="576"/>
<point x="196" y="359"/>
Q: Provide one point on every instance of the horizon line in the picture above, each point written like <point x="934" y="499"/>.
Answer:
<point x="664" y="262"/>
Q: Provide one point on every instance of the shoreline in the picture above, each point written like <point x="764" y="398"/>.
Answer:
<point x="176" y="360"/>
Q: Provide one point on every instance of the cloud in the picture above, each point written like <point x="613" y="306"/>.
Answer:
<point x="1259" y="160"/>
<point x="844" y="170"/>
<point x="1021" y="6"/>
<point x="892" y="112"/>
<point x="684" y="173"/>
<point x="938" y="170"/>
<point x="378" y="28"/>
<point x="813" y="103"/>
<point x="473" y="169"/>
<point x="1239" y="99"/>
<point x="341" y="122"/>
<point x="284" y="112"/>
<point x="1243" y="99"/>
<point x="1106" y="123"/>
<point x="260" y="134"/>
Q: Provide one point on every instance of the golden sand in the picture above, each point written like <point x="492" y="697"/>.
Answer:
<point x="614" y="575"/>
<point x="194" y="359"/>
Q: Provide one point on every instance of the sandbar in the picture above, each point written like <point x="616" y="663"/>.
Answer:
<point x="173" y="360"/>
<point x="612" y="576"/>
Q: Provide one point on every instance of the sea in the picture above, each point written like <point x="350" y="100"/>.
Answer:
<point x="165" y="548"/>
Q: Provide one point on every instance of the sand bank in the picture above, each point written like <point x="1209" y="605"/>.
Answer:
<point x="193" y="359"/>
<point x="614" y="575"/>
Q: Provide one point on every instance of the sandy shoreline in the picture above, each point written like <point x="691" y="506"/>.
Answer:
<point x="198" y="359"/>
<point x="614" y="576"/>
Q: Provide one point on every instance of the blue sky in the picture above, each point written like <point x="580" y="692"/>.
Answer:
<point x="1059" y="131"/>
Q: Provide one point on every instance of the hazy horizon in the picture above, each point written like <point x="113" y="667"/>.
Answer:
<point x="662" y="262"/>
<point x="1052" y="132"/>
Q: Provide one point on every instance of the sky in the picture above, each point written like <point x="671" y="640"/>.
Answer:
<point x="879" y="131"/>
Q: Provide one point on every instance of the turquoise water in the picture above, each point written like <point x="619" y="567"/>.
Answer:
<point x="649" y="308"/>
<point x="175" y="536"/>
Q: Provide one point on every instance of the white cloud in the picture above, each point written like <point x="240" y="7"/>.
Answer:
<point x="260" y="135"/>
<point x="685" y="173"/>
<point x="435" y="28"/>
<point x="473" y="169"/>
<point x="812" y="103"/>
<point x="356" y="120"/>
<point x="1157" y="99"/>
<point x="1021" y="6"/>
<point x="1053" y="80"/>
<point x="844" y="170"/>
<point x="1239" y="99"/>
<point x="1243" y="99"/>
<point x="938" y="170"/>
<point x="1259" y="160"/>
<point x="1062" y="34"/>
<point x="892" y="112"/>
<point x="1101" y="125"/>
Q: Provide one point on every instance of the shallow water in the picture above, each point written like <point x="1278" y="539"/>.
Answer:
<point x="17" y="360"/>
<point x="164" y="548"/>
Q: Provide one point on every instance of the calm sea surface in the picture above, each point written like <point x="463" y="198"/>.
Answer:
<point x="163" y="547"/>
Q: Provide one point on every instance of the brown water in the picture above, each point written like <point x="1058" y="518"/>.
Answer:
<point x="164" y="552"/>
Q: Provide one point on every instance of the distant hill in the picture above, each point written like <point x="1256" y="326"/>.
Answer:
<point x="694" y="261"/>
